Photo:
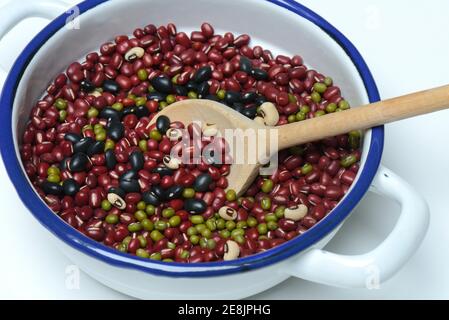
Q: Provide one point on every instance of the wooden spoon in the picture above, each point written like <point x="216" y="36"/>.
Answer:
<point x="375" y="114"/>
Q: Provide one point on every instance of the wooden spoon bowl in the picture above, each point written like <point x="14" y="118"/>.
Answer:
<point x="208" y="112"/>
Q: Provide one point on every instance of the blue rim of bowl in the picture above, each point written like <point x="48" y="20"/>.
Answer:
<point x="113" y="257"/>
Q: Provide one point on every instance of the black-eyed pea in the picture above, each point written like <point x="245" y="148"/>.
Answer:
<point x="259" y="120"/>
<point x="116" y="201"/>
<point x="134" y="53"/>
<point x="171" y="163"/>
<point x="296" y="213"/>
<point x="174" y="134"/>
<point x="269" y="113"/>
<point x="231" y="250"/>
<point x="227" y="213"/>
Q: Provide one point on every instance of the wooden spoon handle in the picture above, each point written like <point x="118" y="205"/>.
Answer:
<point x="364" y="117"/>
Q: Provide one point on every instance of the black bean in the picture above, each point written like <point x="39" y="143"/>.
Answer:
<point x="203" y="90"/>
<point x="110" y="122"/>
<point x="238" y="107"/>
<point x="96" y="148"/>
<point x="71" y="187"/>
<point x="191" y="86"/>
<point x="150" y="198"/>
<point x="230" y="105"/>
<point x="249" y="97"/>
<point x="52" y="188"/>
<point x="142" y="111"/>
<point x="110" y="114"/>
<point x="212" y="97"/>
<point x="136" y="160"/>
<point x="259" y="74"/>
<point x="78" y="162"/>
<point x="129" y="175"/>
<point x="245" y="65"/>
<point x="83" y="145"/>
<point x="111" y="161"/>
<point x="202" y="74"/>
<point x="250" y="111"/>
<point x="72" y="137"/>
<point x="202" y="182"/>
<point x="162" y="124"/>
<point x="87" y="86"/>
<point x="260" y="100"/>
<point x="111" y="86"/>
<point x="174" y="192"/>
<point x="64" y="164"/>
<point x="180" y="90"/>
<point x="130" y="186"/>
<point x="232" y="97"/>
<point x="195" y="206"/>
<point x="130" y="110"/>
<point x="159" y="192"/>
<point x="162" y="84"/>
<point x="163" y="171"/>
<point x="157" y="96"/>
<point x="116" y="130"/>
<point x="118" y="191"/>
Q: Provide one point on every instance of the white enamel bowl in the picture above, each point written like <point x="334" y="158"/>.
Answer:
<point x="284" y="27"/>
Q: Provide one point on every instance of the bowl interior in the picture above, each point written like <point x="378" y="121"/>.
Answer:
<point x="269" y="25"/>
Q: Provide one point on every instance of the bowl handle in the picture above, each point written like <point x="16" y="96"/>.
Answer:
<point x="14" y="12"/>
<point x="370" y="269"/>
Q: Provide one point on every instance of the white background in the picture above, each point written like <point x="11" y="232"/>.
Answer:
<point x="406" y="45"/>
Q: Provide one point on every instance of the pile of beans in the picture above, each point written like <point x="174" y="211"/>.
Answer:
<point x="93" y="157"/>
